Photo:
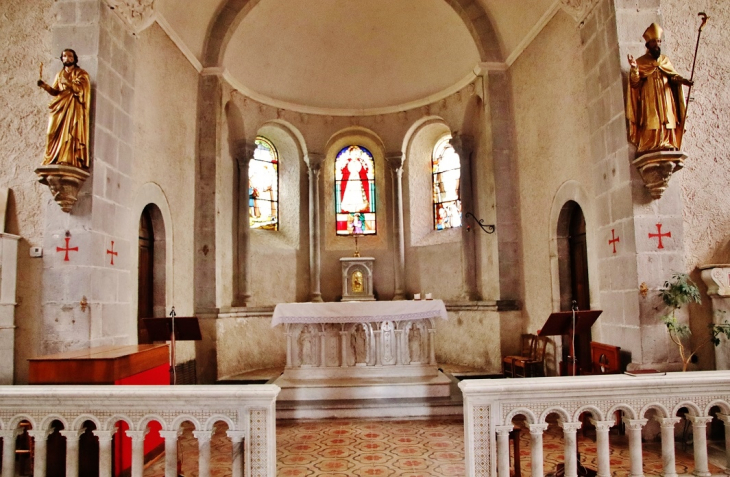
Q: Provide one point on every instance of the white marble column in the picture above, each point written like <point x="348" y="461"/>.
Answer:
<point x="378" y="335"/>
<point x="72" y="451"/>
<point x="463" y="144"/>
<point x="40" y="441"/>
<point x="322" y="349"/>
<point x="668" y="459"/>
<point x="105" y="452"/>
<point x="432" y="346"/>
<point x="536" y="454"/>
<point x="288" y="346"/>
<point x="571" y="447"/>
<point x="602" y="447"/>
<point x="9" y="436"/>
<point x="170" y="452"/>
<point x="396" y="161"/>
<point x="503" y="450"/>
<point x="243" y="270"/>
<point x="237" y="438"/>
<point x="203" y="438"/>
<point x="726" y="420"/>
<point x="344" y="345"/>
<point x="633" y="428"/>
<point x="699" y="436"/>
<point x="314" y="163"/>
<point x="137" y="451"/>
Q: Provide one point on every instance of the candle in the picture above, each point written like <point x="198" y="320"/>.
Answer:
<point x="428" y="296"/>
<point x="416" y="296"/>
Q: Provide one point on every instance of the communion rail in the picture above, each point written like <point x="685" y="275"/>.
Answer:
<point x="249" y="412"/>
<point x="490" y="405"/>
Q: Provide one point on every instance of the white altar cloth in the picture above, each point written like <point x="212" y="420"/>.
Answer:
<point x="357" y="312"/>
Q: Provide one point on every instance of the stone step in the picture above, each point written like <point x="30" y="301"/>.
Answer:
<point x="405" y="408"/>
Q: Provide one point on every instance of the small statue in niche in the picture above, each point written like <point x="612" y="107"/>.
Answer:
<point x="655" y="105"/>
<point x="357" y="282"/>
<point x="358" y="345"/>
<point x="306" y="346"/>
<point x="67" y="138"/>
<point x="414" y="345"/>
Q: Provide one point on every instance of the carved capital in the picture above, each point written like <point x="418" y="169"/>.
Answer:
<point x="578" y="9"/>
<point x="537" y="429"/>
<point x="699" y="421"/>
<point x="717" y="279"/>
<point x="395" y="160"/>
<point x="314" y="161"/>
<point x="603" y="426"/>
<point x="667" y="421"/>
<point x="203" y="436"/>
<point x="635" y="424"/>
<point x="570" y="426"/>
<point x="244" y="154"/>
<point x="236" y="436"/>
<point x="502" y="430"/>
<point x="137" y="436"/>
<point x="64" y="182"/>
<point x="463" y="144"/>
<point x="136" y="14"/>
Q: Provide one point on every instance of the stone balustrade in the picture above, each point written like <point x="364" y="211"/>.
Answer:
<point x="490" y="406"/>
<point x="248" y="411"/>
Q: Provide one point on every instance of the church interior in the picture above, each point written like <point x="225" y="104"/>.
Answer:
<point x="463" y="169"/>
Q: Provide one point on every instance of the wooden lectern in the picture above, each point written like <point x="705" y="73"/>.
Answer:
<point x="570" y="323"/>
<point x="172" y="328"/>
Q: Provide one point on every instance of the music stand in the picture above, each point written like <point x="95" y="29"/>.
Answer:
<point x="183" y="328"/>
<point x="561" y="323"/>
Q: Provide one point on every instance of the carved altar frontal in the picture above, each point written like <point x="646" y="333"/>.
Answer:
<point x="361" y="350"/>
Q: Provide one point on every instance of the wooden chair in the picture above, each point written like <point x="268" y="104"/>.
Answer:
<point x="527" y="342"/>
<point x="534" y="365"/>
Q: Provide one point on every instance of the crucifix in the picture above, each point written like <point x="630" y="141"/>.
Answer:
<point x="357" y="250"/>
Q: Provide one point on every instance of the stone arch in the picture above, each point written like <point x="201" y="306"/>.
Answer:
<point x="179" y="420"/>
<point x="147" y="194"/>
<point x="629" y="412"/>
<point x="232" y="12"/>
<point x="147" y="419"/>
<point x="529" y="415"/>
<point x="210" y="423"/>
<point x="660" y="409"/>
<point x="110" y="423"/>
<point x="561" y="412"/>
<point x="17" y="419"/>
<point x="693" y="408"/>
<point x="593" y="410"/>
<point x="79" y="422"/>
<point x="48" y="420"/>
<point x="721" y="403"/>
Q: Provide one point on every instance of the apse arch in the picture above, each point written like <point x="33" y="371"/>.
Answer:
<point x="232" y="12"/>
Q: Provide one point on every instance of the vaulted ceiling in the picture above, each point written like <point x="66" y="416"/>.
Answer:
<point x="349" y="55"/>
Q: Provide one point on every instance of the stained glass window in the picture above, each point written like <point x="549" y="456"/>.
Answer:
<point x="263" y="186"/>
<point x="355" y="191"/>
<point x="446" y="172"/>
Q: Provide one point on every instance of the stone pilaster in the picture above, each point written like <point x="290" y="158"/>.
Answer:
<point x="464" y="146"/>
<point x="396" y="161"/>
<point x="243" y="294"/>
<point x="314" y="164"/>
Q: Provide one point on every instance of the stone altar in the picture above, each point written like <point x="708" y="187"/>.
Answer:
<point x="361" y="350"/>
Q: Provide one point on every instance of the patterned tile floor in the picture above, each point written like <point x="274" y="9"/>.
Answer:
<point x="347" y="448"/>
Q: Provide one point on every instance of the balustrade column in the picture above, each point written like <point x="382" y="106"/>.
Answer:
<point x="105" y="452"/>
<point x="288" y="346"/>
<point x="378" y="347"/>
<point x="314" y="164"/>
<point x="396" y="161"/>
<point x="40" y="440"/>
<point x="536" y="431"/>
<point x="432" y="346"/>
<point x="237" y="452"/>
<point x="633" y="427"/>
<point x="699" y="436"/>
<point x="571" y="447"/>
<point x="9" y="437"/>
<point x="137" y="451"/>
<point x="72" y="451"/>
<point x="668" y="460"/>
<point x="503" y="450"/>
<point x="203" y="438"/>
<point x="343" y="345"/>
<point x="602" y="447"/>
<point x="725" y="419"/>
<point x="170" y="452"/>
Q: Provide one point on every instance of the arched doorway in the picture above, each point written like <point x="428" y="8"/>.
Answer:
<point x="574" y="284"/>
<point x="151" y="271"/>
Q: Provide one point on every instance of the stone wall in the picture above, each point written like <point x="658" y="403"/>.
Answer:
<point x="706" y="173"/>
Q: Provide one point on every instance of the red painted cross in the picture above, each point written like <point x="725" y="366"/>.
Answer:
<point x="112" y="252"/>
<point x="67" y="249"/>
<point x="659" y="235"/>
<point x="613" y="240"/>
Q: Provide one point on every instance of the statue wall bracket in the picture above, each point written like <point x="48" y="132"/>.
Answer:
<point x="656" y="168"/>
<point x="64" y="182"/>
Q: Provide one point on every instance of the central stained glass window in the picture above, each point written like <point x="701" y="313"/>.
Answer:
<point x="355" y="191"/>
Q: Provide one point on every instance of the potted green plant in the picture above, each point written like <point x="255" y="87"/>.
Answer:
<point x="679" y="291"/>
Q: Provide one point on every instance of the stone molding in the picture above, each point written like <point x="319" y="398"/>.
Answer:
<point x="717" y="279"/>
<point x="138" y="15"/>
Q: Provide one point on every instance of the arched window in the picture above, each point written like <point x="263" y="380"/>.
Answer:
<point x="263" y="186"/>
<point x="446" y="173"/>
<point x="355" y="191"/>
